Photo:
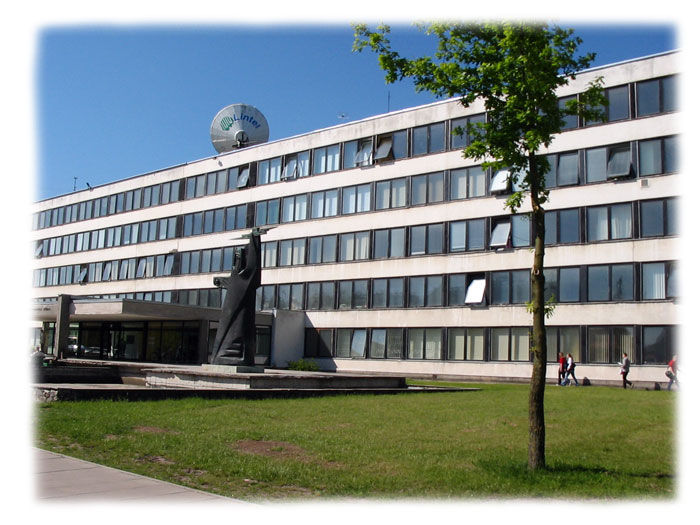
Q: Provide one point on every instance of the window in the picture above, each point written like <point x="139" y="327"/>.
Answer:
<point x="392" y="146"/>
<point x="500" y="182"/>
<point x="611" y="283"/>
<point x="265" y="297"/>
<point x="460" y="134"/>
<point x="322" y="249"/>
<point x="618" y="104"/>
<point x="424" y="343"/>
<point x="353" y="294"/>
<point x="318" y="343"/>
<point x="326" y="159"/>
<point x="657" y="344"/>
<point x="520" y="230"/>
<point x="235" y="217"/>
<point x="510" y="344"/>
<point x="428" y="139"/>
<point x="608" y="162"/>
<point x="294" y="208"/>
<point x="564" y="339"/>
<point x="500" y="234"/>
<point x="659" y="281"/>
<point x="356" y="199"/>
<point x="658" y="217"/>
<point x="388" y="293"/>
<point x="390" y="194"/>
<point x="354" y="246"/>
<point x="427" y="189"/>
<point x="363" y="156"/>
<point x="243" y="177"/>
<point x="656" y="96"/>
<point x="465" y="344"/>
<point x="320" y="295"/>
<point x="606" y="344"/>
<point x="657" y="156"/>
<point x="296" y="166"/>
<point x="386" y="343"/>
<point x="562" y="227"/>
<point x="425" y="291"/>
<point x="510" y="287"/>
<point x="351" y="342"/>
<point x="426" y="239"/>
<point x="563" y="170"/>
<point x="268" y="254"/>
<point x="267" y="212"/>
<point x="324" y="204"/>
<point x="609" y="222"/>
<point x="292" y="252"/>
<point x="290" y="296"/>
<point x="269" y="171"/>
<point x="390" y="243"/>
<point x="399" y="146"/>
<point x="569" y="121"/>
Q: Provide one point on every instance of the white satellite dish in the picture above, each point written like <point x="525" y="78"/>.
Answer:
<point x="237" y="126"/>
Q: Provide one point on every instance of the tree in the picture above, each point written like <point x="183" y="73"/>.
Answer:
<point x="515" y="69"/>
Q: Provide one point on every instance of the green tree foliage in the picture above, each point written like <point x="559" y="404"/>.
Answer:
<point x="515" y="70"/>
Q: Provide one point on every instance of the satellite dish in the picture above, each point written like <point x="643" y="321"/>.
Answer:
<point x="237" y="126"/>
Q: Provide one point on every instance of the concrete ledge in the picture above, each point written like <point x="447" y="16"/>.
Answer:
<point x="52" y="392"/>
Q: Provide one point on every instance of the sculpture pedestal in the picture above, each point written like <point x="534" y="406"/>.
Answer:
<point x="234" y="369"/>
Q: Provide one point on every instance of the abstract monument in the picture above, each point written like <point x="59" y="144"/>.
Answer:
<point x="235" y="337"/>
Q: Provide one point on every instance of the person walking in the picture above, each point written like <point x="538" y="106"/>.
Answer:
<point x="671" y="372"/>
<point x="624" y="370"/>
<point x="562" y="368"/>
<point x="570" y="365"/>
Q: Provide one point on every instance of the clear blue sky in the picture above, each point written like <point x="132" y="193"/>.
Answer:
<point x="118" y="101"/>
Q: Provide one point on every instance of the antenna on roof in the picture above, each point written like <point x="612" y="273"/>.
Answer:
<point x="237" y="126"/>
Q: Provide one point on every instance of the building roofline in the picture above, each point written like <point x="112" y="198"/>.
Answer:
<point x="338" y="126"/>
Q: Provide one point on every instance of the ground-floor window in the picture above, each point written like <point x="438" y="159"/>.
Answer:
<point x="586" y="344"/>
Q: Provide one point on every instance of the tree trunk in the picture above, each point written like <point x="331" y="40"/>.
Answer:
<point x="536" y="448"/>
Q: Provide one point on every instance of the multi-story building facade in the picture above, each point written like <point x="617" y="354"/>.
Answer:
<point x="392" y="249"/>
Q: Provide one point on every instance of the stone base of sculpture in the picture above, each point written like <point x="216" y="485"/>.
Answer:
<point x="234" y="369"/>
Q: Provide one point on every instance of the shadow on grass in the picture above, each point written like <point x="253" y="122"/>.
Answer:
<point x="559" y="479"/>
<point x="558" y="468"/>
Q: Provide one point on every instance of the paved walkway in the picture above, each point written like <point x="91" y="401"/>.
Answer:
<point x="62" y="478"/>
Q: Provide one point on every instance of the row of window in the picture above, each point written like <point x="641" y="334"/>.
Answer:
<point x="642" y="219"/>
<point x="639" y="99"/>
<point x="586" y="344"/>
<point x="598" y="283"/>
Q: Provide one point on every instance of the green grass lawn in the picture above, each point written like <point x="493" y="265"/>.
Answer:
<point x="604" y="443"/>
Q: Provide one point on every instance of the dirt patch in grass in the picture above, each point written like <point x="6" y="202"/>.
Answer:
<point x="161" y="460"/>
<point x="153" y="430"/>
<point x="280" y="449"/>
<point x="274" y="449"/>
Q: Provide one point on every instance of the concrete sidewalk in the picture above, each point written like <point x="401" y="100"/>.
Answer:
<point x="62" y="478"/>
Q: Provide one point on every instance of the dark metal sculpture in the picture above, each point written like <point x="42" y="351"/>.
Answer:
<point x="235" y="337"/>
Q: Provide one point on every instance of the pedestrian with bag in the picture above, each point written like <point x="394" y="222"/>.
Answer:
<point x="672" y="373"/>
<point x="562" y="368"/>
<point x="570" y="365"/>
<point x="624" y="370"/>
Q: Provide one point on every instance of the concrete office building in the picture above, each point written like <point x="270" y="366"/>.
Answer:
<point x="391" y="252"/>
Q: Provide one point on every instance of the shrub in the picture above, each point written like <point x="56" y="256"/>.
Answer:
<point x="304" y="365"/>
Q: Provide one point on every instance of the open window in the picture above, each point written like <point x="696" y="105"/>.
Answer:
<point x="243" y="178"/>
<point x="384" y="151"/>
<point x="475" y="290"/>
<point x="500" y="234"/>
<point x="363" y="157"/>
<point x="499" y="182"/>
<point x="619" y="162"/>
